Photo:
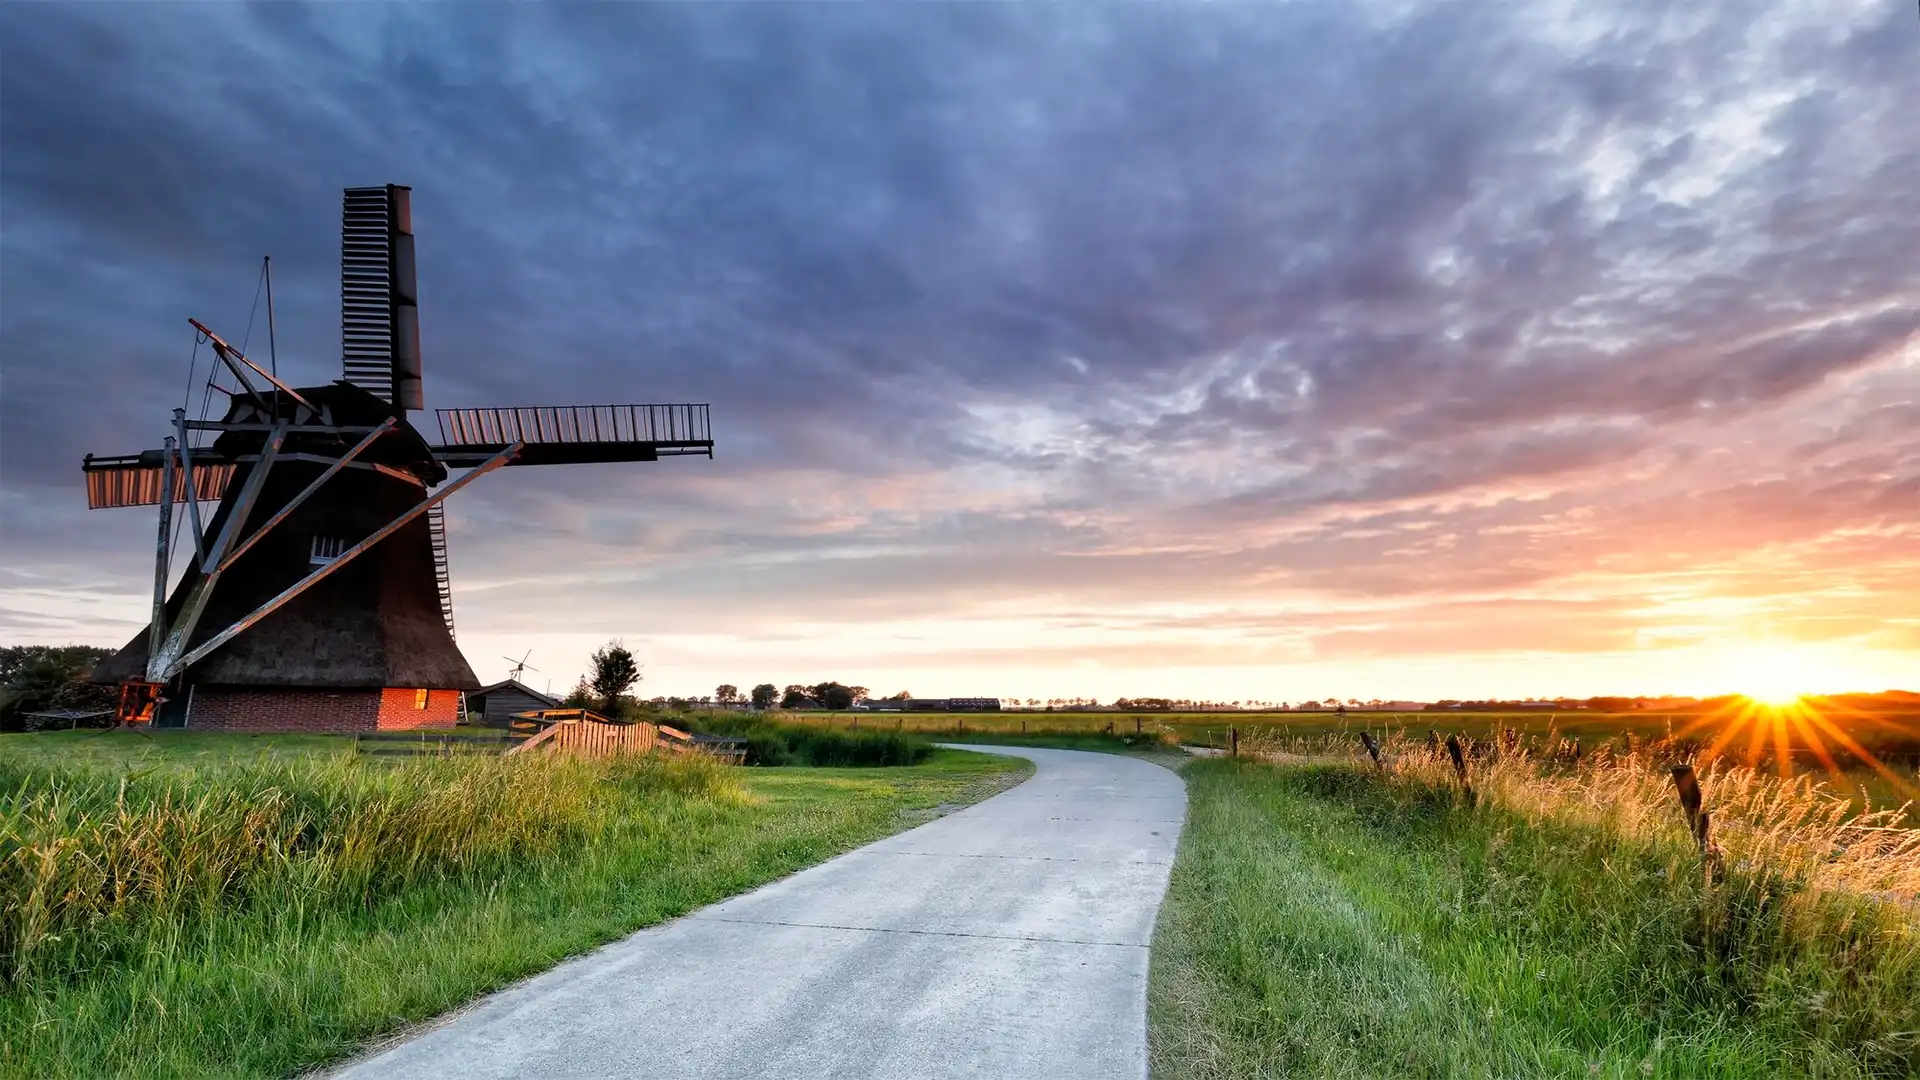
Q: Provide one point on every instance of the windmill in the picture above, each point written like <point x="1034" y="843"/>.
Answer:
<point x="519" y="665"/>
<point x="315" y="595"/>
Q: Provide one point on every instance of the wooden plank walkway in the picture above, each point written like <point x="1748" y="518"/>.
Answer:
<point x="579" y="731"/>
<point x="572" y="731"/>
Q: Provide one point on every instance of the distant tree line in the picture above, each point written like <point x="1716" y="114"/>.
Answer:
<point x="1598" y="704"/>
<point x="613" y="672"/>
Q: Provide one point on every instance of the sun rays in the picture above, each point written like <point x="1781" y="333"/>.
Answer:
<point x="1786" y="725"/>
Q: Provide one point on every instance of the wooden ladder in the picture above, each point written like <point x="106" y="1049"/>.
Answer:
<point x="437" y="531"/>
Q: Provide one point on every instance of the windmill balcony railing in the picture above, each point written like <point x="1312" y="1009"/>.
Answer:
<point x="660" y="425"/>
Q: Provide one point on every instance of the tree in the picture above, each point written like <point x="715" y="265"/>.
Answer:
<point x="793" y="695"/>
<point x="764" y="695"/>
<point x="726" y="693"/>
<point x="859" y="693"/>
<point x="582" y="695"/>
<point x="832" y="695"/>
<point x="39" y="678"/>
<point x="901" y="696"/>
<point x="612" y="672"/>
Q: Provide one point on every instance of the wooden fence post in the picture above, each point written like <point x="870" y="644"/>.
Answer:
<point x="1460" y="767"/>
<point x="1233" y="741"/>
<point x="1687" y="786"/>
<point x="1136" y="725"/>
<point x="1373" y="750"/>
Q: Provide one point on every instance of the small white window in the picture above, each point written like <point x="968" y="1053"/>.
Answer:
<point x="328" y="548"/>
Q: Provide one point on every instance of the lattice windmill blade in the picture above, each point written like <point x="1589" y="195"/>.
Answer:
<point x="575" y="434"/>
<point x="379" y="295"/>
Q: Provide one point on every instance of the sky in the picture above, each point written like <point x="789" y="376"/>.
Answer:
<point x="1226" y="351"/>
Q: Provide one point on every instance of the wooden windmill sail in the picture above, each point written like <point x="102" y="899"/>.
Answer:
<point x="315" y="596"/>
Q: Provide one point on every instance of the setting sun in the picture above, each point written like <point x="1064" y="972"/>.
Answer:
<point x="1776" y="675"/>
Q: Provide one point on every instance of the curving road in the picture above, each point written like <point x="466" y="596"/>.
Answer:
<point x="1006" y="940"/>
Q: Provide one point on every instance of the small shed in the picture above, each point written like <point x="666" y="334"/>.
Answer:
<point x="494" y="706"/>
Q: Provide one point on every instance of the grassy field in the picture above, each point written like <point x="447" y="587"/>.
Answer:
<point x="1210" y="728"/>
<point x="1895" y="782"/>
<point x="1325" y="920"/>
<point x="183" y="904"/>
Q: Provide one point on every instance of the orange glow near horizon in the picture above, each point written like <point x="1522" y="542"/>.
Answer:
<point x="1781" y="674"/>
<point x="1814" y="726"/>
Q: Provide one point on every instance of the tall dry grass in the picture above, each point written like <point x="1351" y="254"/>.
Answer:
<point x="1802" y="918"/>
<point x="1797" y="828"/>
<point x="96" y="864"/>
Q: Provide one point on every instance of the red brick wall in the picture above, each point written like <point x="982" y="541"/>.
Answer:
<point x="397" y="711"/>
<point x="251" y="708"/>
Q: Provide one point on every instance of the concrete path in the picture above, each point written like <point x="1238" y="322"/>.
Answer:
<point x="1006" y="940"/>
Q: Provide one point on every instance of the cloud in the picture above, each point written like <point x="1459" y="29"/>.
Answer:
<point x="1081" y="307"/>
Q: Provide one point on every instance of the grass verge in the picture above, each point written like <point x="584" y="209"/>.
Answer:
<point x="221" y="918"/>
<point x="1160" y="748"/>
<point x="1327" y="921"/>
<point x="770" y="743"/>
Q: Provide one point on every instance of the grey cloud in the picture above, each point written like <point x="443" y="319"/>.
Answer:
<point x="1362" y="260"/>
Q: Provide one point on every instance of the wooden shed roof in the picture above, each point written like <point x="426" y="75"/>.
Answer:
<point x="515" y="684"/>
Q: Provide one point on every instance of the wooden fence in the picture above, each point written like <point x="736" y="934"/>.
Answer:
<point x="575" y="731"/>
<point x="578" y="731"/>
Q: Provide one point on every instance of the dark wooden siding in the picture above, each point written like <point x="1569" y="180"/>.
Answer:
<point x="498" y="706"/>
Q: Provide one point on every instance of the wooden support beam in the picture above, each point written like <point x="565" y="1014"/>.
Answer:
<point x="292" y="429"/>
<point x="229" y="354"/>
<point x="156" y="633"/>
<point x="346" y="557"/>
<point x="277" y="518"/>
<point x="193" y="500"/>
<point x="160" y="662"/>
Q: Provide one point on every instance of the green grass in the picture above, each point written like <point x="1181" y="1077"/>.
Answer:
<point x="1210" y="728"/>
<point x="1159" y="749"/>
<point x="1324" y="921"/>
<point x="1888" y="786"/>
<point x="1200" y="726"/>
<point x="131" y="747"/>
<point x="771" y="743"/>
<point x="269" y="912"/>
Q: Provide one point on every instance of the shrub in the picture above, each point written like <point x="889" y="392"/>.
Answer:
<point x="769" y="743"/>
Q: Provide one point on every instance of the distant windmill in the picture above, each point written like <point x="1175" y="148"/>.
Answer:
<point x="316" y="595"/>
<point x="519" y="666"/>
